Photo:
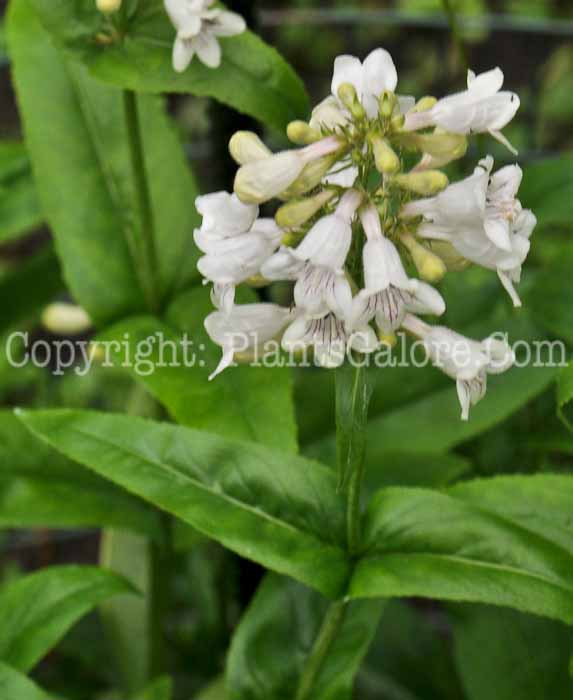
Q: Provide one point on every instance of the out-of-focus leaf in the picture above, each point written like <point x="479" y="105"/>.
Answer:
<point x="275" y="636"/>
<point x="550" y="297"/>
<point x="505" y="655"/>
<point x="77" y="140"/>
<point x="250" y="403"/>
<point x="505" y="541"/>
<point x="141" y="60"/>
<point x="38" y="609"/>
<point x="547" y="189"/>
<point x="15" y="686"/>
<point x="565" y="396"/>
<point x="19" y="206"/>
<point x="29" y="287"/>
<point x="277" y="509"/>
<point x="215" y="691"/>
<point x="160" y="689"/>
<point x="40" y="488"/>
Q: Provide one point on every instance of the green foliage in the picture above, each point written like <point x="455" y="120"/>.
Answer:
<point x="76" y="136"/>
<point x="40" y="608"/>
<point x="15" y="685"/>
<point x="565" y="396"/>
<point x="19" y="207"/>
<point x="140" y="59"/>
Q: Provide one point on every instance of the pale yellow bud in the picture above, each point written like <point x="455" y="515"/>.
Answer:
<point x="65" y="319"/>
<point x="387" y="104"/>
<point x="386" y="159"/>
<point x="397" y="122"/>
<point x="347" y="95"/>
<point x="310" y="177"/>
<point x="261" y="180"/>
<point x="246" y="147"/>
<point x="298" y="212"/>
<point x="388" y="339"/>
<point x="257" y="281"/>
<point x="302" y="134"/>
<point x="424" y="103"/>
<point x="425" y="183"/>
<point x="453" y="261"/>
<point x="108" y="6"/>
<point x="430" y="267"/>
<point x="442" y="146"/>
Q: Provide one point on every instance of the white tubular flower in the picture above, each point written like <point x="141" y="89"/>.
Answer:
<point x="330" y="338"/>
<point x="318" y="263"/>
<point x="198" y="27"/>
<point x="482" y="108"/>
<point x="481" y="217"/>
<point x="246" y="329"/>
<point x="463" y="359"/>
<point x="388" y="292"/>
<point x="261" y="180"/>
<point x="235" y="242"/>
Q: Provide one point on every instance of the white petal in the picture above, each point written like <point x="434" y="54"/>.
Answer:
<point x="524" y="223"/>
<point x="208" y="49"/>
<point x="183" y="53"/>
<point x="328" y="114"/>
<point x="505" y="183"/>
<point x="267" y="228"/>
<point x="379" y="73"/>
<point x="347" y="69"/>
<point x="509" y="288"/>
<point x="327" y="243"/>
<point x="282" y="266"/>
<point x="364" y="340"/>
<point x="223" y="297"/>
<point x="344" y="178"/>
<point x="498" y="232"/>
<point x="228" y="24"/>
<point x="426" y="299"/>
<point x="498" y="136"/>
<point x="294" y="337"/>
<point x="339" y="297"/>
<point x="501" y="355"/>
<point x="485" y="84"/>
<point x="330" y="354"/>
<point x="464" y="398"/>
<point x="226" y="361"/>
<point x="225" y="213"/>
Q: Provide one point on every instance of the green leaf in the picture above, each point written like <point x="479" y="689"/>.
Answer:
<point x="505" y="541"/>
<point x="506" y="655"/>
<point x="547" y="189"/>
<point x="269" y="90"/>
<point x="76" y="135"/>
<point x="243" y="402"/>
<point x="15" y="686"/>
<point x="40" y="488"/>
<point x="276" y="634"/>
<point x="19" y="208"/>
<point x="39" y="609"/>
<point x="160" y="689"/>
<point x="281" y="511"/>
<point x="565" y="396"/>
<point x="215" y="691"/>
<point x="550" y="297"/>
<point x="30" y="286"/>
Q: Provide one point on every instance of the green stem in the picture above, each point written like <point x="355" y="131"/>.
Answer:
<point x="455" y="28"/>
<point x="160" y="569"/>
<point x="144" y="245"/>
<point x="328" y="632"/>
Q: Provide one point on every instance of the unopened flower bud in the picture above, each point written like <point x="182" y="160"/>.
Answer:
<point x="65" y="319"/>
<point x="397" y="122"/>
<point x="425" y="183"/>
<point x="349" y="98"/>
<point x="310" y="177"/>
<point x="108" y="6"/>
<point x="387" y="104"/>
<point x="302" y="134"/>
<point x="246" y="147"/>
<point x="453" y="261"/>
<point x="439" y="148"/>
<point x="388" y="339"/>
<point x="257" y="281"/>
<point x="430" y="267"/>
<point x="386" y="160"/>
<point x="298" y="212"/>
<point x="424" y="104"/>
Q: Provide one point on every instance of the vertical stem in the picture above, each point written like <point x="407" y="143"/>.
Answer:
<point x="160" y="570"/>
<point x="454" y="26"/>
<point x="330" y="626"/>
<point x="145" y="252"/>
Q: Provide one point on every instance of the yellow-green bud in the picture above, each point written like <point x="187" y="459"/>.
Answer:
<point x="386" y="160"/>
<point x="108" y="6"/>
<point x="388" y="339"/>
<point x="302" y="134"/>
<point x="298" y="212"/>
<point x="453" y="261"/>
<point x="65" y="319"/>
<point x="311" y="176"/>
<point x="387" y="104"/>
<point x="246" y="147"/>
<point x="427" y="182"/>
<point x="441" y="145"/>
<point x="430" y="267"/>
<point x="424" y="103"/>
<point x="257" y="281"/>
<point x="349" y="98"/>
<point x="397" y="122"/>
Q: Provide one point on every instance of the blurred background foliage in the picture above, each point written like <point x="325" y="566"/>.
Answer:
<point x="422" y="651"/>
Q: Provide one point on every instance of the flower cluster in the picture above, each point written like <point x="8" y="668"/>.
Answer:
<point x="198" y="25"/>
<point x="360" y="213"/>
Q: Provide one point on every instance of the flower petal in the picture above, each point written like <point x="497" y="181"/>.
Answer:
<point x="347" y="69"/>
<point x="228" y="24"/>
<point x="208" y="49"/>
<point x="183" y="52"/>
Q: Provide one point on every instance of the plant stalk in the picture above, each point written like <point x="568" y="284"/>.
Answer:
<point x="144" y="245"/>
<point x="328" y="632"/>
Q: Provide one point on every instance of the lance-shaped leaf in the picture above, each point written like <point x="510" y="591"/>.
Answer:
<point x="253" y="77"/>
<point x="276" y="635"/>
<point x="40" y="488"/>
<point x="565" y="396"/>
<point x="14" y="684"/>
<point x="19" y="206"/>
<point x="77" y="140"/>
<point x="505" y="541"/>
<point x="279" y="510"/>
<point x="39" y="609"/>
